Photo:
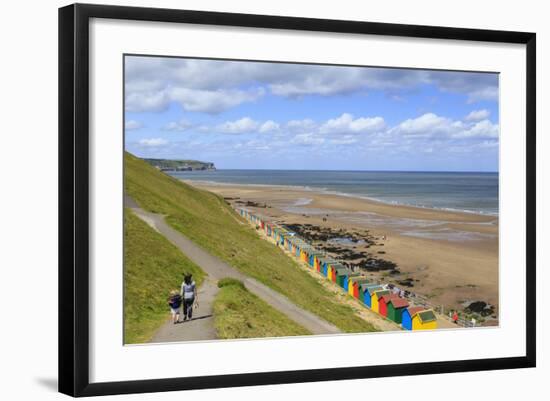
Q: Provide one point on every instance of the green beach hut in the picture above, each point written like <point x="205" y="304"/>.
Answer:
<point x="396" y="306"/>
<point x="341" y="273"/>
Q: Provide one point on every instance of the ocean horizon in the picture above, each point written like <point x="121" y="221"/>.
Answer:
<point x="471" y="192"/>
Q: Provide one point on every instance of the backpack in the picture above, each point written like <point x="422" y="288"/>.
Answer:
<point x="175" y="300"/>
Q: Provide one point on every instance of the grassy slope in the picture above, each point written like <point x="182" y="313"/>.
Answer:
<point x="152" y="267"/>
<point x="240" y="314"/>
<point x="209" y="221"/>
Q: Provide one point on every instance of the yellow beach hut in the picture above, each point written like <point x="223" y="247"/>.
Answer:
<point x="424" y="320"/>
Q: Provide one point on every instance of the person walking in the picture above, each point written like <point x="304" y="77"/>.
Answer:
<point x="189" y="295"/>
<point x="174" y="301"/>
<point x="455" y="317"/>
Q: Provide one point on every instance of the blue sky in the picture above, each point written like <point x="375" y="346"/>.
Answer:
<point x="254" y="115"/>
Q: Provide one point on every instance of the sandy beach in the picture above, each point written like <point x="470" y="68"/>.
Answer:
<point x="450" y="258"/>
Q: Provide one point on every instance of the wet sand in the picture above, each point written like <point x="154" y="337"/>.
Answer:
<point x="450" y="258"/>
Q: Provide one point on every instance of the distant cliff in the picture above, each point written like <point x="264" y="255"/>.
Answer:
<point x="180" y="165"/>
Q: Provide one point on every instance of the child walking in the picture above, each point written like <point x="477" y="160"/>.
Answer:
<point x="175" y="303"/>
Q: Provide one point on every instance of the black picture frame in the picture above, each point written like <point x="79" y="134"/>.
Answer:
<point x="74" y="198"/>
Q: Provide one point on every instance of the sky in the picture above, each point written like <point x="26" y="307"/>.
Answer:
<point x="263" y="115"/>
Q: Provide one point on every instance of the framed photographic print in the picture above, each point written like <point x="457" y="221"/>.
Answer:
<point x="277" y="199"/>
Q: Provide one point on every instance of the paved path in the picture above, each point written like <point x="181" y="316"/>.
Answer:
<point x="217" y="269"/>
<point x="201" y="327"/>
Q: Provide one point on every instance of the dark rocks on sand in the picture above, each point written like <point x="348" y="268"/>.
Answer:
<point x="408" y="282"/>
<point x="481" y="308"/>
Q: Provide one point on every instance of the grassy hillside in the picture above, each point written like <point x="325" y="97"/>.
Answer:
<point x="240" y="314"/>
<point x="209" y="221"/>
<point x="152" y="267"/>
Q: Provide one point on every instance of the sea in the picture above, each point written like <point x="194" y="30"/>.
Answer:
<point x="470" y="192"/>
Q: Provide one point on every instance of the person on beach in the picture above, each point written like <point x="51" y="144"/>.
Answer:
<point x="189" y="295"/>
<point x="174" y="300"/>
<point x="455" y="317"/>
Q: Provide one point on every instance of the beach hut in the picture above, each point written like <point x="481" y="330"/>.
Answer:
<point x="363" y="292"/>
<point x="352" y="288"/>
<point x="332" y="271"/>
<point x="396" y="306"/>
<point x="361" y="289"/>
<point x="313" y="254"/>
<point x="317" y="262"/>
<point x="407" y="316"/>
<point x="383" y="303"/>
<point x="324" y="268"/>
<point x="369" y="290"/>
<point x="424" y="320"/>
<point x="329" y="271"/>
<point x="341" y="273"/>
<point x="326" y="264"/>
<point x="356" y="282"/>
<point x="346" y="282"/>
<point x="375" y="299"/>
<point x="306" y="249"/>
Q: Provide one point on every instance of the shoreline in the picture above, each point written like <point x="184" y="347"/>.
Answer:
<point x="326" y="191"/>
<point x="449" y="257"/>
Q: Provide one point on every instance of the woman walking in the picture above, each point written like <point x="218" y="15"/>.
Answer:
<point x="189" y="295"/>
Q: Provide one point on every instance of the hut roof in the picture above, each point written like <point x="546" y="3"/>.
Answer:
<point x="413" y="310"/>
<point x="381" y="293"/>
<point x="388" y="297"/>
<point x="359" y="280"/>
<point x="374" y="289"/>
<point x="427" y="316"/>
<point x="342" y="270"/>
<point x="399" y="302"/>
<point x="366" y="286"/>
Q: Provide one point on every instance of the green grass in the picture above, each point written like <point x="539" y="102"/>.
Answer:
<point x="240" y="314"/>
<point x="205" y="218"/>
<point x="152" y="267"/>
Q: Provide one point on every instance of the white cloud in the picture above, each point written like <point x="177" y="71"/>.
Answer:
<point x="181" y="125"/>
<point x="153" y="142"/>
<point x="481" y="129"/>
<point x="269" y="126"/>
<point x="241" y="126"/>
<point x="213" y="86"/>
<point x="307" y="139"/>
<point x="486" y="93"/>
<point x="427" y="125"/>
<point x="431" y="125"/>
<point x="132" y="125"/>
<point x="146" y="101"/>
<point x="213" y="102"/>
<point x="477" y="115"/>
<point x="344" y="140"/>
<point x="301" y="125"/>
<point x="346" y="124"/>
